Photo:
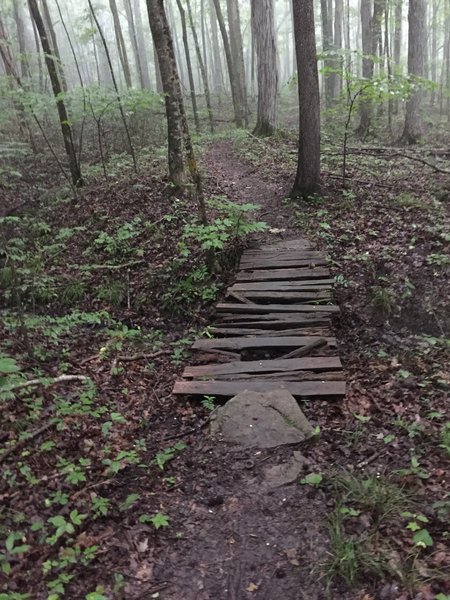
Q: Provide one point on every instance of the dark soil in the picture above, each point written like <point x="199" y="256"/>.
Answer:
<point x="226" y="538"/>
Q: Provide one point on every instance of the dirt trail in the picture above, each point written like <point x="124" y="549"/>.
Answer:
<point x="244" y="542"/>
<point x="244" y="182"/>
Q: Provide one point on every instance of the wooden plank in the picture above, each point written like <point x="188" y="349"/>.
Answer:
<point x="258" y="342"/>
<point x="269" y="295"/>
<point x="274" y="320"/>
<point x="313" y="363"/>
<point x="278" y="308"/>
<point x="298" y="244"/>
<point x="236" y="331"/>
<point x="297" y="253"/>
<point x="280" y="263"/>
<point x="280" y="274"/>
<point x="279" y="286"/>
<point x="231" y="388"/>
<point x="283" y="377"/>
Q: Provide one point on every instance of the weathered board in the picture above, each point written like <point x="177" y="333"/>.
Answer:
<point x="319" y="363"/>
<point x="299" y="389"/>
<point x="286" y="296"/>
<point x="279" y="274"/>
<point x="279" y="308"/>
<point x="258" y="342"/>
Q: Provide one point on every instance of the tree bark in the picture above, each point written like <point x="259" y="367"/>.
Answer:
<point x="141" y="47"/>
<point x="327" y="45"/>
<point x="307" y="180"/>
<point x="189" y="64"/>
<point x="202" y="67"/>
<point x="21" y="38"/>
<point x="234" y="85"/>
<point x="56" y="56"/>
<point x="412" y="131"/>
<point x="266" y="51"/>
<point x="365" y="110"/>
<point x="338" y="23"/>
<point x="237" y="54"/>
<point x="66" y="128"/>
<point x="121" y="49"/>
<point x="172" y="89"/>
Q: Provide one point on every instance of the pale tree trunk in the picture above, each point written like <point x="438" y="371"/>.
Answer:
<point x="159" y="85"/>
<point x="21" y="38"/>
<point x="172" y="89"/>
<point x="56" y="56"/>
<point x="412" y="131"/>
<point x="189" y="65"/>
<point x="133" y="40"/>
<point x="217" y="71"/>
<point x="236" y="95"/>
<point x="202" y="67"/>
<point x="55" y="79"/>
<point x="327" y="45"/>
<point x="338" y="22"/>
<point x="121" y="49"/>
<point x="307" y="180"/>
<point x="367" y="67"/>
<point x="397" y="45"/>
<point x="141" y="46"/>
<point x="434" y="35"/>
<point x="237" y="53"/>
<point x="39" y="55"/>
<point x="266" y="51"/>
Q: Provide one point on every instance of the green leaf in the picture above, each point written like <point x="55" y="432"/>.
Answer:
<point x="312" y="479"/>
<point x="413" y="526"/>
<point x="8" y="365"/>
<point x="159" y="520"/>
<point x="423" y="539"/>
<point x="129" y="501"/>
<point x="76" y="518"/>
<point x="9" y="544"/>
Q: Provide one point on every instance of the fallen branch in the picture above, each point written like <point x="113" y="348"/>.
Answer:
<point x="386" y="156"/>
<point x="44" y="381"/>
<point x="239" y="297"/>
<point x="305" y="350"/>
<point x="22" y="442"/>
<point x="143" y="356"/>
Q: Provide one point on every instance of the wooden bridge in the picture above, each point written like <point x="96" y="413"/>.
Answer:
<point x="273" y="331"/>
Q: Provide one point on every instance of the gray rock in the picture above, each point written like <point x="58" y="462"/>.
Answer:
<point x="261" y="420"/>
<point x="286" y="472"/>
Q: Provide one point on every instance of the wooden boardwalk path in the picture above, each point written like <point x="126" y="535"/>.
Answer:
<point x="274" y="330"/>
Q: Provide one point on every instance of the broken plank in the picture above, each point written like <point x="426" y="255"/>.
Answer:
<point x="313" y="363"/>
<point x="278" y="308"/>
<point x="275" y="263"/>
<point x="284" y="295"/>
<point x="236" y="331"/>
<point x="284" y="376"/>
<point x="279" y="286"/>
<point x="232" y="388"/>
<point x="279" y="274"/>
<point x="261" y="342"/>
<point x="299" y="244"/>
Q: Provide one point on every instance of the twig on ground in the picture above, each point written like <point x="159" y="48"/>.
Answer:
<point x="30" y="437"/>
<point x="44" y="381"/>
<point x="305" y="350"/>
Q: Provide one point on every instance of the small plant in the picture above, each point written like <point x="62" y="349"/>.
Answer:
<point x="438" y="260"/>
<point x="168" y="454"/>
<point x="209" y="402"/>
<point x="421" y="537"/>
<point x="314" y="479"/>
<point x="445" y="438"/>
<point x="382" y="300"/>
<point x="158" y="521"/>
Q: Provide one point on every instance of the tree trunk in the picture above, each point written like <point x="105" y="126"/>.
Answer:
<point x="307" y="180"/>
<point x="412" y="131"/>
<point x="338" y="22"/>
<point x="237" y="54"/>
<point x="141" y="47"/>
<point x="189" y="65"/>
<point x="217" y="70"/>
<point x="266" y="51"/>
<point x="234" y="84"/>
<point x="202" y="66"/>
<point x="327" y="44"/>
<point x="56" y="56"/>
<point x="21" y="38"/>
<point x="120" y="43"/>
<point x="434" y="35"/>
<point x="133" y="40"/>
<point x="172" y="89"/>
<point x="55" y="79"/>
<point x="367" y="67"/>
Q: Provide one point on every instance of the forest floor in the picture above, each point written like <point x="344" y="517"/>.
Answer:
<point x="112" y="489"/>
